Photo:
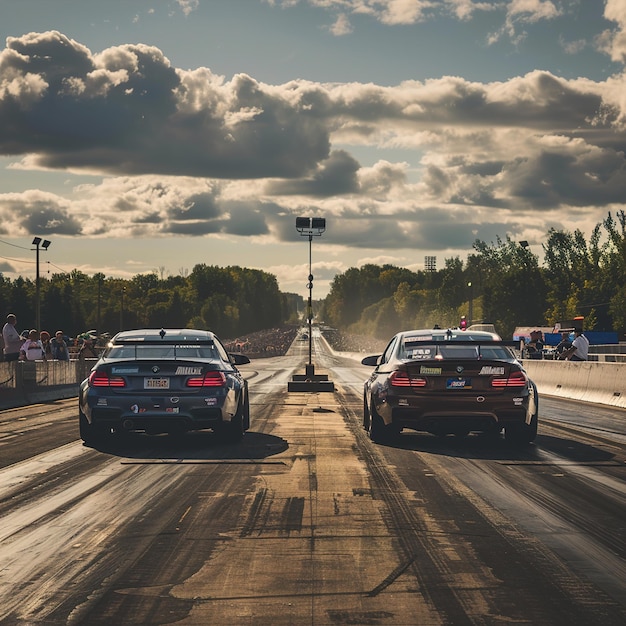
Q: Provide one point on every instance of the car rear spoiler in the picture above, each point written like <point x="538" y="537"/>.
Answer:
<point x="157" y="341"/>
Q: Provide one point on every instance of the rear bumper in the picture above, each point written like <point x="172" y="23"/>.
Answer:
<point x="442" y="421"/>
<point x="456" y="414"/>
<point x="166" y="421"/>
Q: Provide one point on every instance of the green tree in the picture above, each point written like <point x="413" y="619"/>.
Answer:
<point x="514" y="289"/>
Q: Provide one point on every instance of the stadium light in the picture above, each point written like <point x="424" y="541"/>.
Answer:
<point x="310" y="227"/>
<point x="37" y="242"/>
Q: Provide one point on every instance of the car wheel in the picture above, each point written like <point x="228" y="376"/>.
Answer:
<point x="246" y="414"/>
<point x="234" y="431"/>
<point x="366" y="415"/>
<point x="89" y="433"/>
<point x="531" y="429"/>
<point x="379" y="432"/>
<point x="522" y="434"/>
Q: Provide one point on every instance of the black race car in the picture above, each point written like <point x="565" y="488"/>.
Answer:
<point x="164" y="381"/>
<point x="449" y="382"/>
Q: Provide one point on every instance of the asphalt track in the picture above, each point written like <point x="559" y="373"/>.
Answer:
<point x="306" y="521"/>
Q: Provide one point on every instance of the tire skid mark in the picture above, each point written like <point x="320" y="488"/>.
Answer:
<point x="421" y="555"/>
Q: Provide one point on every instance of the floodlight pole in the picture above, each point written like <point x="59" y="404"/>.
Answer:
<point x="310" y="227"/>
<point x="310" y="304"/>
<point x="37" y="241"/>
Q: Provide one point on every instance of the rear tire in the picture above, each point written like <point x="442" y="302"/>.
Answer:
<point x="378" y="430"/>
<point x="90" y="434"/>
<point x="522" y="434"/>
<point x="246" y="413"/>
<point x="366" y="416"/>
<point x="234" y="431"/>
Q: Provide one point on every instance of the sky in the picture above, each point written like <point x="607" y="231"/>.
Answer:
<point x="154" y="135"/>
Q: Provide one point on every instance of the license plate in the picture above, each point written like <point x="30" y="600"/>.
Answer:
<point x="156" y="383"/>
<point x="459" y="383"/>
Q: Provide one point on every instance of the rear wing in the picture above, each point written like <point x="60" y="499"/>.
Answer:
<point x="157" y="341"/>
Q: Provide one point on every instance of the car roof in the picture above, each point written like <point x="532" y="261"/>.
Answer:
<point x="163" y="335"/>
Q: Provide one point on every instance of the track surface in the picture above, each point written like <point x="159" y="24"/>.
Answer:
<point x="308" y="522"/>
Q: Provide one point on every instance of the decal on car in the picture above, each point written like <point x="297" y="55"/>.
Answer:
<point x="430" y="371"/>
<point x="188" y="371"/>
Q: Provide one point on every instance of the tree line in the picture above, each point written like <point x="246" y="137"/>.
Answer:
<point x="230" y="301"/>
<point x="503" y="283"/>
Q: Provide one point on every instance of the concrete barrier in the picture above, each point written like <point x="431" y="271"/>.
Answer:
<point x="31" y="382"/>
<point x="602" y="383"/>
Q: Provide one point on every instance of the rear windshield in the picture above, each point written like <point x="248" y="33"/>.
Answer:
<point x="182" y="351"/>
<point x="414" y="351"/>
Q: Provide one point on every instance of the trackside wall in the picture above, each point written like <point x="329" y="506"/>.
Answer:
<point x="589" y="381"/>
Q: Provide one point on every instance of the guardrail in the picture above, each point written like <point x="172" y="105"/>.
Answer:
<point x="589" y="381"/>
<point x="30" y="382"/>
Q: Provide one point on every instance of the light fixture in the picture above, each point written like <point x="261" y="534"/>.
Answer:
<point x="45" y="244"/>
<point x="310" y="227"/>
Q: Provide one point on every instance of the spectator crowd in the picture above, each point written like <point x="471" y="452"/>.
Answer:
<point x="32" y="345"/>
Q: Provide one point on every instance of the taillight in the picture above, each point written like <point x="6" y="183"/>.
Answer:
<point x="210" y="379"/>
<point x="99" y="378"/>
<point x="515" y="379"/>
<point x="402" y="379"/>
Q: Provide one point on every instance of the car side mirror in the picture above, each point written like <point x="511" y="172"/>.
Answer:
<point x="371" y="360"/>
<point x="238" y="359"/>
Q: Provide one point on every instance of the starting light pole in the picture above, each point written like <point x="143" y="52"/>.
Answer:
<point x="310" y="227"/>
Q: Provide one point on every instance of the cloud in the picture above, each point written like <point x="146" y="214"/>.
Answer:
<point x="187" y="153"/>
<point x="37" y="212"/>
<point x="613" y="42"/>
<point x="341" y="26"/>
<point x="406" y="12"/>
<point x="335" y="176"/>
<point x="126" y="110"/>
<point x="188" y="6"/>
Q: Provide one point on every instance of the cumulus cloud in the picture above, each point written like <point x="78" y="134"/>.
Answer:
<point x="188" y="153"/>
<point x="37" y="212"/>
<point x="405" y="12"/>
<point x="127" y="110"/>
<point x="337" y="175"/>
<point x="614" y="41"/>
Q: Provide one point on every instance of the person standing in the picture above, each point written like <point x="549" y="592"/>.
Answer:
<point x="87" y="350"/>
<point x="32" y="349"/>
<point x="11" y="338"/>
<point x="59" y="348"/>
<point x="580" y="347"/>
<point x="44" y="337"/>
